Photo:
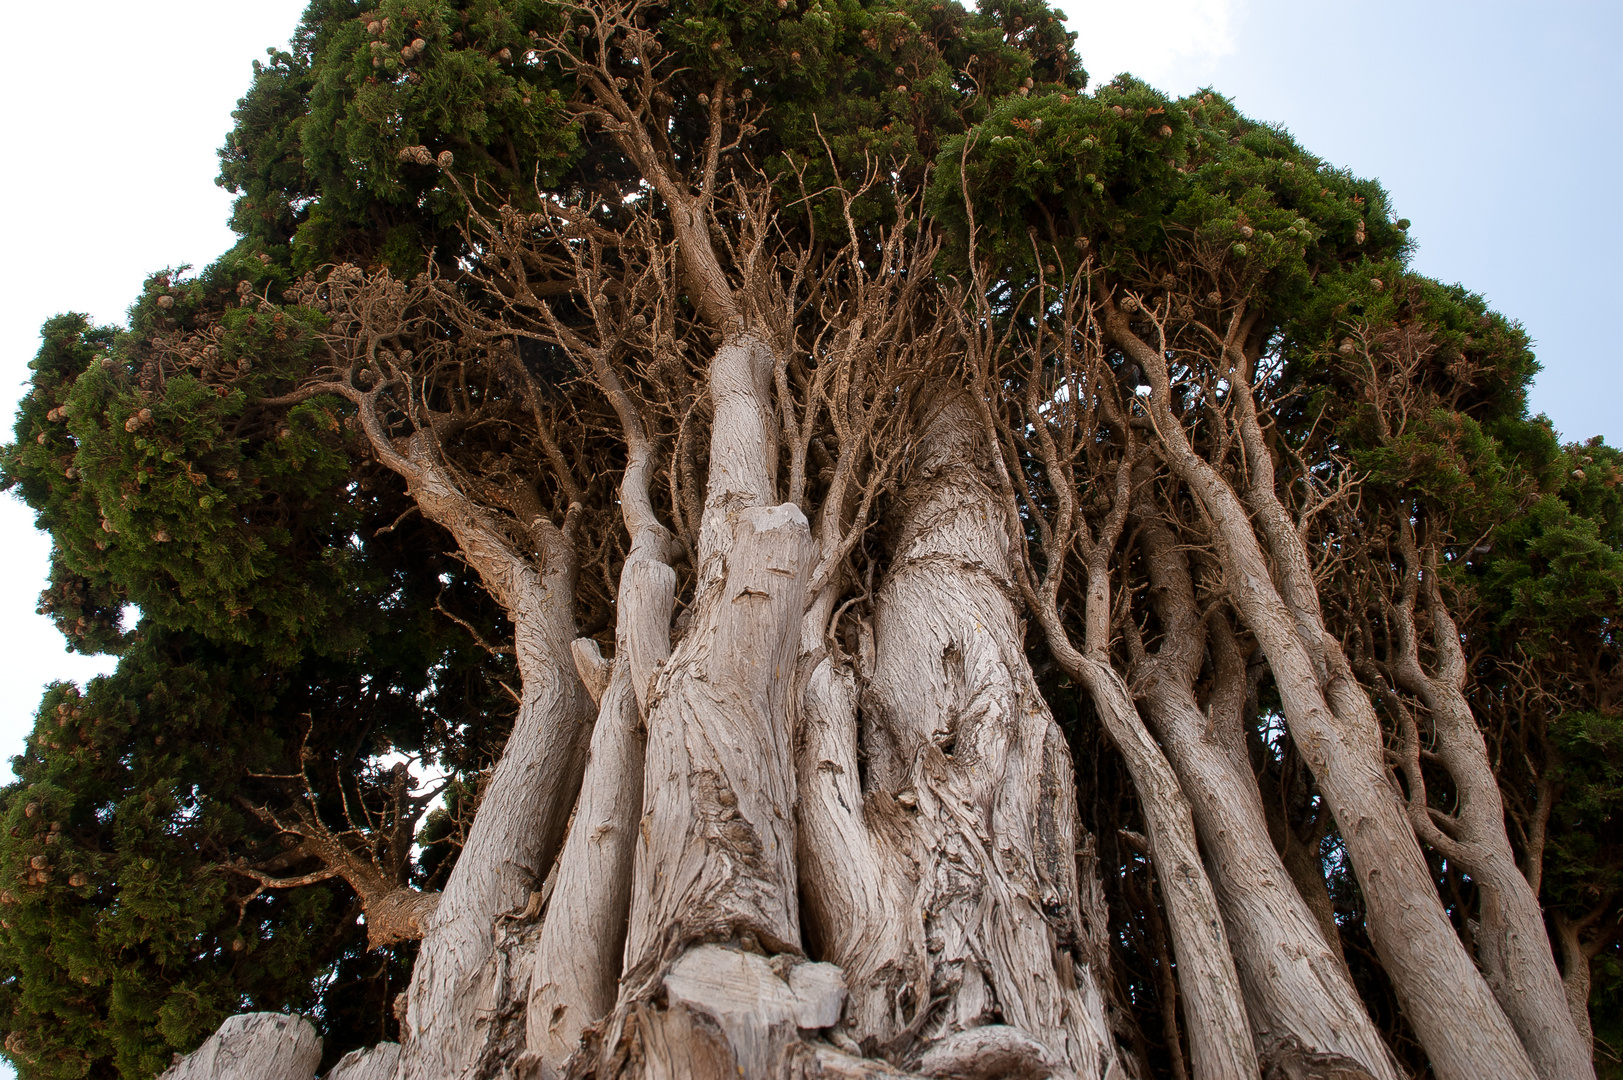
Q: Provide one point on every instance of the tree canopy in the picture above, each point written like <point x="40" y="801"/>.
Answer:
<point x="455" y="273"/>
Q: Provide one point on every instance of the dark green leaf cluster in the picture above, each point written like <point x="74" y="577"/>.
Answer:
<point x="1145" y="184"/>
<point x="335" y="153"/>
<point x="338" y="148"/>
<point x="164" y="484"/>
<point x="130" y="925"/>
<point x="285" y="632"/>
<point x="124" y="935"/>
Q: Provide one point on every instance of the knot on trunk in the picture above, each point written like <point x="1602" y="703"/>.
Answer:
<point x="399" y="915"/>
<point x="1288" y="1059"/>
<point x="993" y="1052"/>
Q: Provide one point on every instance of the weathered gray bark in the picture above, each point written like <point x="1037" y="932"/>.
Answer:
<point x="1058" y="424"/>
<point x="1458" y="1020"/>
<point x="578" y="956"/>
<point x="577" y="960"/>
<point x="852" y="851"/>
<point x="1297" y="990"/>
<point x="379" y="1062"/>
<point x="715" y="850"/>
<point x="254" y="1046"/>
<point x="715" y="858"/>
<point x="1220" y="1040"/>
<point x="946" y="884"/>
<point x="915" y="803"/>
<point x="1511" y="941"/>
<point x="459" y="982"/>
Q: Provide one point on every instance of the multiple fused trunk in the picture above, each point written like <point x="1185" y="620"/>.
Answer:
<point x="796" y="845"/>
<point x="943" y="876"/>
<point x="824" y="822"/>
<point x="724" y="785"/>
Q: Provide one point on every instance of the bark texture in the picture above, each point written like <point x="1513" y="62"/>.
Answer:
<point x="824" y="823"/>
<point x="969" y="912"/>
<point x="459" y="983"/>
<point x="379" y="1062"/>
<point x="1331" y="719"/>
<point x="1511" y="942"/>
<point x="715" y="851"/>
<point x="1297" y="990"/>
<point x="254" y="1046"/>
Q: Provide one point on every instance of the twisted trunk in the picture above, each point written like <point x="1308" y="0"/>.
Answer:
<point x="714" y="859"/>
<point x="1511" y="941"/>
<point x="1297" y="990"/>
<point x="1455" y="1014"/>
<point x="944" y="881"/>
<point x="1576" y="953"/>
<point x="1220" y="1042"/>
<point x="460" y="982"/>
<point x="1219" y="1035"/>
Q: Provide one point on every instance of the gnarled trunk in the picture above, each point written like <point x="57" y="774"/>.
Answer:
<point x="461" y="982"/>
<point x="1511" y="941"/>
<point x="715" y="850"/>
<point x="945" y="880"/>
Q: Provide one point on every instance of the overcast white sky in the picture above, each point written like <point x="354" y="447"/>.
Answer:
<point x="1495" y="125"/>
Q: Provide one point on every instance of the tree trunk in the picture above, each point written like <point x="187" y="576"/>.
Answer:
<point x="578" y="956"/>
<point x="960" y="843"/>
<point x="1219" y="1034"/>
<point x="715" y="851"/>
<point x="460" y="982"/>
<point x="1297" y="990"/>
<point x="254" y="1046"/>
<point x="1576" y="980"/>
<point x="1458" y="1020"/>
<point x="1220" y="1042"/>
<point x="577" y="959"/>
<point x="1511" y="941"/>
<point x="379" y="1062"/>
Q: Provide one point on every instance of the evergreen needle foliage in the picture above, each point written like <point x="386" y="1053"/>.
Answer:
<point x="206" y="831"/>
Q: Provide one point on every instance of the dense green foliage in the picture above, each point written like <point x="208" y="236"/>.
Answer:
<point x="273" y="640"/>
<point x="292" y="611"/>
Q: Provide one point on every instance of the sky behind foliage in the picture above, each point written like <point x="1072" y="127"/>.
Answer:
<point x="1494" y="125"/>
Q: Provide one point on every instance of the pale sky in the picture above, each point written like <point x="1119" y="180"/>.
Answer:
<point x="1495" y="125"/>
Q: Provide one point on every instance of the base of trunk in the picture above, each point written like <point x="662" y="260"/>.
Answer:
<point x="254" y="1046"/>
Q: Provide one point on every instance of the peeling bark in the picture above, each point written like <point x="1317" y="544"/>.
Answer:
<point x="715" y="850"/>
<point x="715" y="857"/>
<point x="968" y="813"/>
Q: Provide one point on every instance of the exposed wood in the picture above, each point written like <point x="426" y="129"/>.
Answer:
<point x="1445" y="997"/>
<point x="254" y="1046"/>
